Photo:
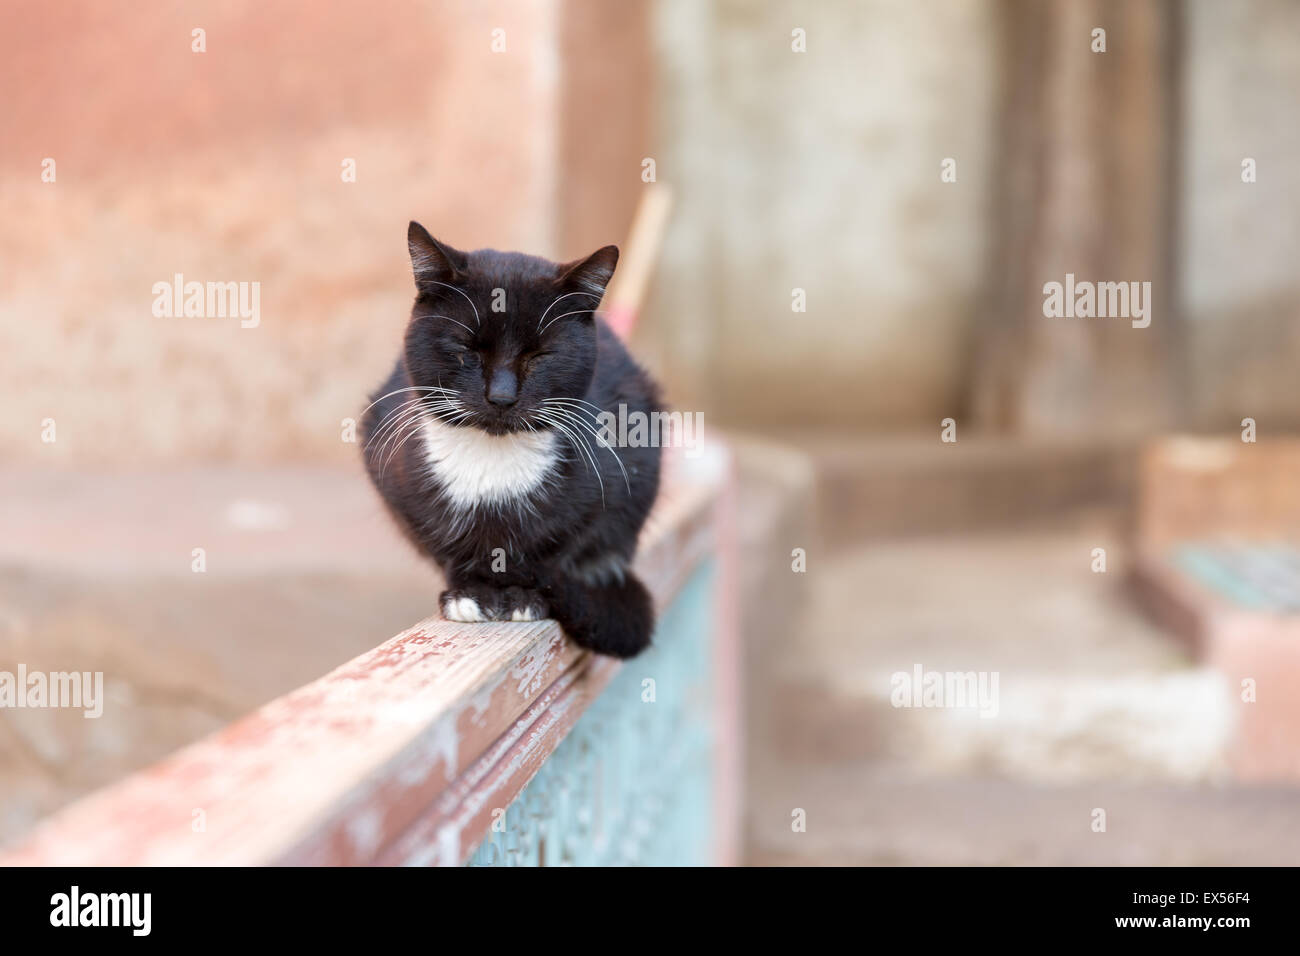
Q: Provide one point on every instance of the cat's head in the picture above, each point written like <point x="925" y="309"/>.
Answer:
<point x="494" y="334"/>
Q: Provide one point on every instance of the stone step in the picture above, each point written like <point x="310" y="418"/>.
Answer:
<point x="872" y="486"/>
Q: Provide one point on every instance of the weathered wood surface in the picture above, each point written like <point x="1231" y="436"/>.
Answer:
<point x="1202" y="489"/>
<point x="1181" y="605"/>
<point x="433" y="727"/>
<point x="1257" y="652"/>
<point x="1214" y="500"/>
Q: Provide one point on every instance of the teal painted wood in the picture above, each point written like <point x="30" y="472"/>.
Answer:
<point x="632" y="783"/>
<point x="1260" y="577"/>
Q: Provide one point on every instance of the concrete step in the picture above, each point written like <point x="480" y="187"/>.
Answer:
<point x="870" y="486"/>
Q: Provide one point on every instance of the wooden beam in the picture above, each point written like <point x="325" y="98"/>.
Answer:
<point x="627" y="292"/>
<point x="391" y="757"/>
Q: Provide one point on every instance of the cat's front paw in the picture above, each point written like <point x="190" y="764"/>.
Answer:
<point x="479" y="603"/>
<point x="524" y="604"/>
<point x="471" y="605"/>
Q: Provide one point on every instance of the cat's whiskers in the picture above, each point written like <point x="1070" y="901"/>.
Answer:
<point x="562" y="315"/>
<point x="477" y="322"/>
<point x="552" y="418"/>
<point x="394" y="418"/>
<point x="414" y="424"/>
<point x="430" y="315"/>
<point x="584" y="455"/>
<point x="391" y="419"/>
<point x="571" y="413"/>
<point x="405" y="421"/>
<point x="565" y="296"/>
<point x="409" y="388"/>
<point x="581" y="401"/>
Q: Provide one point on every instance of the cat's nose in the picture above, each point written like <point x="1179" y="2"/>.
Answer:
<point x="503" y="387"/>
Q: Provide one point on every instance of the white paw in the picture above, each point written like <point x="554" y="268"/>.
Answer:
<point x="464" y="610"/>
<point x="522" y="614"/>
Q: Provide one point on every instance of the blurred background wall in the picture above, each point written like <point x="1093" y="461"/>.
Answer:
<point x="1239" y="244"/>
<point x="227" y="165"/>
<point x="820" y="171"/>
<point x="817" y="171"/>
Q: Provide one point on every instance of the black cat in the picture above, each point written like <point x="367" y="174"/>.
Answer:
<point x="487" y="447"/>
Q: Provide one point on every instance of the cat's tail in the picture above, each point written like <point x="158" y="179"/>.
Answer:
<point x="614" y="618"/>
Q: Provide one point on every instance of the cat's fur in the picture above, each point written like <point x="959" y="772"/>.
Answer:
<point x="483" y="443"/>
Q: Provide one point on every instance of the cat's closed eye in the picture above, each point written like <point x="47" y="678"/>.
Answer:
<point x="533" y="360"/>
<point x="467" y="358"/>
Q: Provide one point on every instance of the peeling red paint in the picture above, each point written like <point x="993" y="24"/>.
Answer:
<point x="395" y="755"/>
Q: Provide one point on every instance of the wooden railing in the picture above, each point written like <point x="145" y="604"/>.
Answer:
<point x="490" y="743"/>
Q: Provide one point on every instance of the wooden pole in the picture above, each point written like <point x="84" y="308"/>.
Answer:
<point x="1087" y="189"/>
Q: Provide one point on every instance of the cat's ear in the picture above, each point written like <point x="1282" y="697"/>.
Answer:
<point x="591" y="274"/>
<point x="431" y="261"/>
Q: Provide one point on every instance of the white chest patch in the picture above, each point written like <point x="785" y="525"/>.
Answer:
<point x="476" y="468"/>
